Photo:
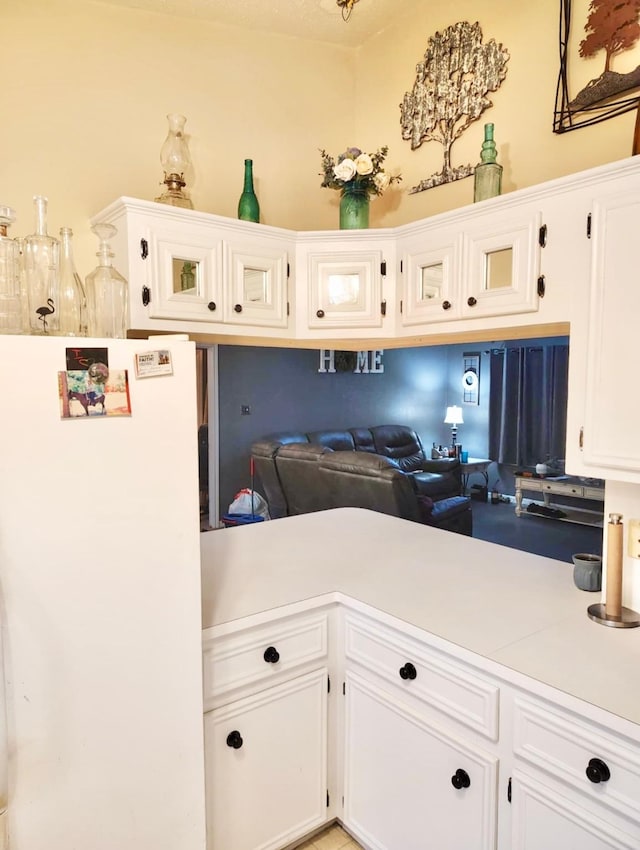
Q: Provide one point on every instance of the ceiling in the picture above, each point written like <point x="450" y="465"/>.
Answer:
<point x="320" y="20"/>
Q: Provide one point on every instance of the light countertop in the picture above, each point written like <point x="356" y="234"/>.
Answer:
<point x="517" y="609"/>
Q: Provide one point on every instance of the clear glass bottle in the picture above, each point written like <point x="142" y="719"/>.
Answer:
<point x="22" y="274"/>
<point x="42" y="265"/>
<point x="73" y="301"/>
<point x="107" y="291"/>
<point x="248" y="206"/>
<point x="10" y="295"/>
<point x="488" y="174"/>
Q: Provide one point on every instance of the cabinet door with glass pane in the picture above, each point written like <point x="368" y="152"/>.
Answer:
<point x="186" y="271"/>
<point x="256" y="282"/>
<point x="431" y="275"/>
<point x="345" y="289"/>
<point x="501" y="263"/>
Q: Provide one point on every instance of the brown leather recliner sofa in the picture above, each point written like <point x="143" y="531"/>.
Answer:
<point x="382" y="468"/>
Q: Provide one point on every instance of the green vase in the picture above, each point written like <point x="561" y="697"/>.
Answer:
<point x="354" y="207"/>
<point x="248" y="206"/>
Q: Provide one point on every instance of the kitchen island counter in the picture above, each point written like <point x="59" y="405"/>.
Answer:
<point x="502" y="605"/>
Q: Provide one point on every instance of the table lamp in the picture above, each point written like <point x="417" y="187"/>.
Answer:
<point x="454" y="418"/>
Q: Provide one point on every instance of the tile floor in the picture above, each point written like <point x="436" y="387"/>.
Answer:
<point x="333" y="838"/>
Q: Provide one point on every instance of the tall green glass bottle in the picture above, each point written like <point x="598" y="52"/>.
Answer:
<point x="248" y="206"/>
<point x="488" y="174"/>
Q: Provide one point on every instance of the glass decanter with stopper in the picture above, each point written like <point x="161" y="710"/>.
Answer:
<point x="107" y="291"/>
<point x="42" y="266"/>
<point x="73" y="301"/>
<point x="10" y="295"/>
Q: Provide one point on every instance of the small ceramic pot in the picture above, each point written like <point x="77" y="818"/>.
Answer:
<point x="587" y="571"/>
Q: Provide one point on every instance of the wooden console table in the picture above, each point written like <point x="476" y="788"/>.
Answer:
<point x="562" y="485"/>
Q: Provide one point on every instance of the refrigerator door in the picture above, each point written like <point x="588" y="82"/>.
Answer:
<point x="100" y="599"/>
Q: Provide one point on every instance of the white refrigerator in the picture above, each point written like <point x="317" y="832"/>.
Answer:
<point x="100" y="597"/>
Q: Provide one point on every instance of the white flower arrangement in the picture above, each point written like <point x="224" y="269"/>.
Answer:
<point x="357" y="170"/>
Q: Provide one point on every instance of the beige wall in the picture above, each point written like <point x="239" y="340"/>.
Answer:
<point x="86" y="87"/>
<point x="522" y="108"/>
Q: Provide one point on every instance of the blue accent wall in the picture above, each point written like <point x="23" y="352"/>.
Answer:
<point x="285" y="392"/>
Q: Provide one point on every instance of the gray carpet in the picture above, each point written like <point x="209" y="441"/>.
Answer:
<point x="548" y="537"/>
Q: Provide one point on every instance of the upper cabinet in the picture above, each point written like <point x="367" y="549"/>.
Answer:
<point x="481" y="265"/>
<point x="516" y="262"/>
<point x="191" y="271"/>
<point x="603" y="407"/>
<point x="344" y="283"/>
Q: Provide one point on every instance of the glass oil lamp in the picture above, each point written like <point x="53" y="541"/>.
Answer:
<point x="175" y="159"/>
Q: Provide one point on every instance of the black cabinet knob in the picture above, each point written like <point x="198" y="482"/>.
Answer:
<point x="446" y="305"/>
<point x="471" y="301"/>
<point x="320" y="314"/>
<point x="597" y="771"/>
<point x="460" y="779"/>
<point x="234" y="740"/>
<point x="271" y="655"/>
<point x="408" y="671"/>
<point x="211" y="305"/>
<point x="238" y="308"/>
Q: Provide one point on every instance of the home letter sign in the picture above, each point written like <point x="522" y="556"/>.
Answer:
<point x="358" y="362"/>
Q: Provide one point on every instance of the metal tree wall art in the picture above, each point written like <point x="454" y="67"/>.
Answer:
<point x="612" y="28"/>
<point x="450" y="92"/>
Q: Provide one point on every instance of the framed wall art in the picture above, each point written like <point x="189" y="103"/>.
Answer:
<point x="599" y="75"/>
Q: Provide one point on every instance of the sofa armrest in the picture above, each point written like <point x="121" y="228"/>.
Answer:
<point x="442" y="465"/>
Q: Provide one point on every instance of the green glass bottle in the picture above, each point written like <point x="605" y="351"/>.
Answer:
<point x="248" y="206"/>
<point x="488" y="174"/>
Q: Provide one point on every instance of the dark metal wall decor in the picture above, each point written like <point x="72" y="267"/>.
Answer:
<point x="450" y="91"/>
<point x="611" y="27"/>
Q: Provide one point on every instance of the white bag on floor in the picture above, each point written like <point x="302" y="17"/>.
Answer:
<point x="250" y="502"/>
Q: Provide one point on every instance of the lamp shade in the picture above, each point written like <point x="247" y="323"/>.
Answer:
<point x="454" y="415"/>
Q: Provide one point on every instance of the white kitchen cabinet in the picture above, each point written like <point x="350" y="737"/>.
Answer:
<point x="266" y="731"/>
<point x="193" y="271"/>
<point x="428" y="747"/>
<point x="501" y="263"/>
<point x="546" y="818"/>
<point x="345" y="284"/>
<point x="488" y="264"/>
<point x="410" y="783"/>
<point x="256" y="274"/>
<point x="431" y="277"/>
<point x="611" y="406"/>
<point x="266" y="766"/>
<point x="575" y="783"/>
<point x="413" y="766"/>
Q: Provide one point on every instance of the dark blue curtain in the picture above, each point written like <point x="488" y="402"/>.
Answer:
<point x="528" y="404"/>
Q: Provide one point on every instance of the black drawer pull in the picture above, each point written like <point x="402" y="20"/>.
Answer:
<point x="234" y="740"/>
<point x="446" y="305"/>
<point x="597" y="771"/>
<point x="320" y="314"/>
<point x="460" y="779"/>
<point x="271" y="655"/>
<point x="408" y="671"/>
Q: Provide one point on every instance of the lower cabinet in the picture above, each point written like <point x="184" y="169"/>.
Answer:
<point x="266" y="766"/>
<point x="547" y="817"/>
<point x="410" y="784"/>
<point x="414" y="745"/>
<point x="575" y="783"/>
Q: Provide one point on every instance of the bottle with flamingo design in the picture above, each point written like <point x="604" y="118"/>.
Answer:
<point x="42" y="268"/>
